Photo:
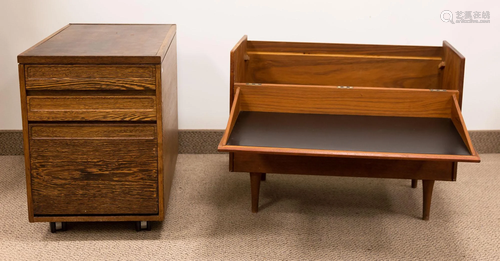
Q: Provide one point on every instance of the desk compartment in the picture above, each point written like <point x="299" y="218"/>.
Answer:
<point x="355" y="122"/>
<point x="92" y="169"/>
<point x="91" y="108"/>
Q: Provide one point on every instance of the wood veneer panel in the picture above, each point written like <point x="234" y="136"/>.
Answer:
<point x="238" y="66"/>
<point x="374" y="168"/>
<point x="356" y="101"/>
<point x="26" y="145"/>
<point x="99" y="74"/>
<point x="96" y="218"/>
<point x="235" y="111"/>
<point x="167" y="42"/>
<point x="92" y="131"/>
<point x="89" y="71"/>
<point x="314" y="64"/>
<point x="102" y="44"/>
<point x="453" y="74"/>
<point x="238" y="73"/>
<point x="459" y="123"/>
<point x="91" y="108"/>
<point x="85" y="77"/>
<point x="283" y="68"/>
<point x="169" y="122"/>
<point x="94" y="176"/>
<point x="357" y="49"/>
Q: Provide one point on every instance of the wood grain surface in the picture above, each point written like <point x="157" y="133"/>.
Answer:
<point x="349" y="154"/>
<point x="310" y="66"/>
<point x="85" y="77"/>
<point x="91" y="108"/>
<point x="111" y="174"/>
<point x="238" y="67"/>
<point x="458" y="121"/>
<point x="354" y="49"/>
<point x="99" y="119"/>
<point x="169" y="122"/>
<point x="234" y="112"/>
<point x="355" y="101"/>
<point x="97" y="218"/>
<point x="101" y="44"/>
<point x="428" y="186"/>
<point x="26" y="143"/>
<point x="93" y="131"/>
<point x="310" y="165"/>
<point x="283" y="68"/>
<point x="453" y="74"/>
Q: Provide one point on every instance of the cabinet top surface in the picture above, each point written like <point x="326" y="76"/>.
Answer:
<point x="103" y="43"/>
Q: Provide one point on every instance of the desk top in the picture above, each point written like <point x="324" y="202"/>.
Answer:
<point x="347" y="133"/>
<point x="103" y="43"/>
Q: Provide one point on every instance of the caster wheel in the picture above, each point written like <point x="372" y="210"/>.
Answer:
<point x="55" y="226"/>
<point x="142" y="225"/>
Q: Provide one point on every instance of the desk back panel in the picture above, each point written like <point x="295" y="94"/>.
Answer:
<point x="347" y="70"/>
<point x="352" y="49"/>
<point x="390" y="66"/>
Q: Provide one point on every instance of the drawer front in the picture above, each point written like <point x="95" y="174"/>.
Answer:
<point x="83" y="169"/>
<point x="91" y="108"/>
<point x="93" y="77"/>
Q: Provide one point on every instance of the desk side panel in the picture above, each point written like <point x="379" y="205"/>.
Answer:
<point x="454" y="70"/>
<point x="459" y="123"/>
<point x="235" y="111"/>
<point x="237" y="74"/>
<point x="27" y="158"/>
<point x="170" y="139"/>
<point x="238" y="66"/>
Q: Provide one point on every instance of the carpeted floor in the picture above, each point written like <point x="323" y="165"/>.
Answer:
<point x="300" y="218"/>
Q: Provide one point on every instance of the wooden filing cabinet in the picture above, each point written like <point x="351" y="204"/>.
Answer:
<point x="99" y="107"/>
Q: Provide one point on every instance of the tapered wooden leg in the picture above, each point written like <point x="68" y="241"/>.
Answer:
<point x="427" y="185"/>
<point x="263" y="177"/>
<point x="414" y="183"/>
<point x="255" y="179"/>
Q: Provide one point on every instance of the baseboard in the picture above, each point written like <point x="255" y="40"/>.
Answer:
<point x="11" y="142"/>
<point x="487" y="141"/>
<point x="199" y="141"/>
<point x="206" y="141"/>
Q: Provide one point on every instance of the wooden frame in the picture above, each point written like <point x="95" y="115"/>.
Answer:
<point x="344" y="79"/>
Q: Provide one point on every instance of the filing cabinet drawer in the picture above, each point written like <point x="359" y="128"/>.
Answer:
<point x="91" y="108"/>
<point x="90" y="77"/>
<point x="83" y="169"/>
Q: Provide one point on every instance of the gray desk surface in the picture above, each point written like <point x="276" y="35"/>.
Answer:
<point x="348" y="133"/>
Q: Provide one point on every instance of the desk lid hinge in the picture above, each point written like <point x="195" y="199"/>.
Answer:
<point x="252" y="83"/>
<point x="437" y="90"/>
<point x="344" y="87"/>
